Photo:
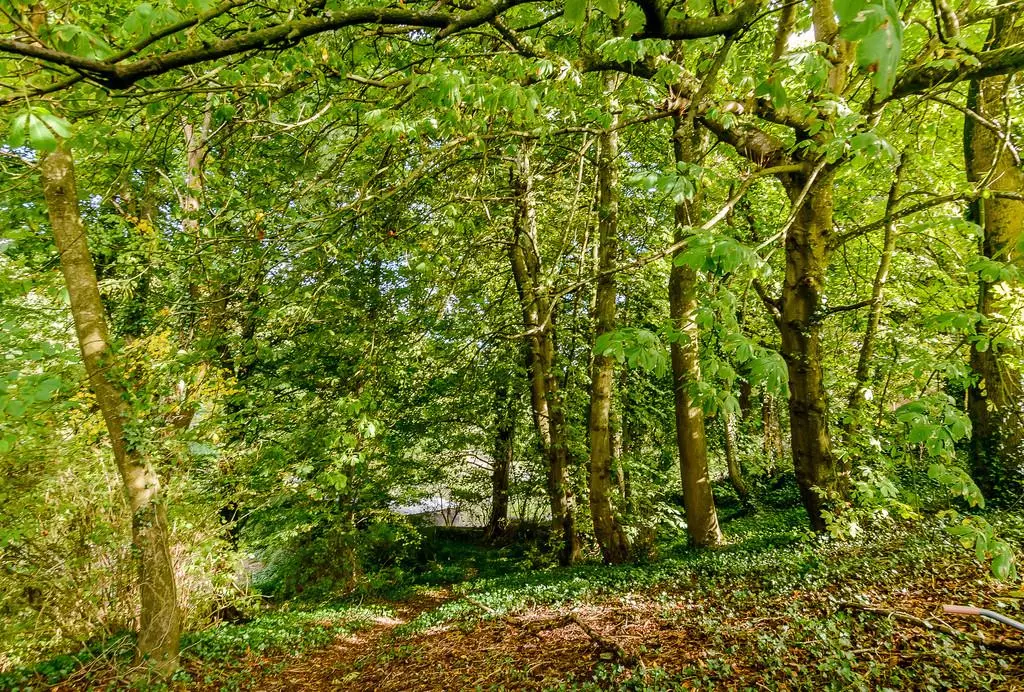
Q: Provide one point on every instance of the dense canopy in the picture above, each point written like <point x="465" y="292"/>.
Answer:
<point x="284" y="282"/>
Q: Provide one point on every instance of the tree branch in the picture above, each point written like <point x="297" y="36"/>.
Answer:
<point x="117" y="74"/>
<point x="701" y="27"/>
<point x="988" y="64"/>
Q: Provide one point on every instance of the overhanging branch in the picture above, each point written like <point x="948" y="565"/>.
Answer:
<point x="988" y="64"/>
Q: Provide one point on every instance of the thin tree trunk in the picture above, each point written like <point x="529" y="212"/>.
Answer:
<point x="545" y="395"/>
<point x="159" y="626"/>
<point x="996" y="400"/>
<point x="607" y="529"/>
<point x="698" y="498"/>
<point x="504" y="453"/>
<point x="732" y="459"/>
<point x="862" y="379"/>
<point x="195" y="152"/>
<point x="772" y="430"/>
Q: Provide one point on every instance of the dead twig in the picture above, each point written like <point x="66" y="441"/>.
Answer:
<point x="625" y="656"/>
<point x="534" y="628"/>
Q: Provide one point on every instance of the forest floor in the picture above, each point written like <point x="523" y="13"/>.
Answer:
<point x="774" y="609"/>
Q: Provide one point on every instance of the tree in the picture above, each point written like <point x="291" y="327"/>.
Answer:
<point x="996" y="399"/>
<point x="159" y="625"/>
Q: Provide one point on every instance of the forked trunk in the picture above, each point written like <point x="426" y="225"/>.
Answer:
<point x="159" y="621"/>
<point x="545" y="395"/>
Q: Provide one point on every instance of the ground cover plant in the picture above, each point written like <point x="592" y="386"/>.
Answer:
<point x="512" y="343"/>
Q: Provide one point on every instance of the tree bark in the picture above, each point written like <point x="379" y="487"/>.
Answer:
<point x="732" y="459"/>
<point x="996" y="399"/>
<point x="698" y="498"/>
<point x="159" y="622"/>
<point x="504" y="453"/>
<point x="772" y="430"/>
<point x="545" y="394"/>
<point x="822" y="479"/>
<point x="607" y="528"/>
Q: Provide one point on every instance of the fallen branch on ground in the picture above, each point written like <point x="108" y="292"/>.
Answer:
<point x="534" y="628"/>
<point x="928" y="624"/>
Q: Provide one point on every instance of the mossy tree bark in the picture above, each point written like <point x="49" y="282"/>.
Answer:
<point x="996" y="399"/>
<point x="607" y="528"/>
<point x="862" y="376"/>
<point x="504" y="453"/>
<point x="545" y="392"/>
<point x="819" y="474"/>
<point x="159" y="622"/>
<point x="698" y="499"/>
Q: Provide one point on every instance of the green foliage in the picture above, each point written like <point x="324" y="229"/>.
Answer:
<point x="38" y="128"/>
<point x="718" y="254"/>
<point x="639" y="348"/>
<point x="877" y="29"/>
<point x="314" y="320"/>
<point x="280" y="632"/>
<point x="977" y="534"/>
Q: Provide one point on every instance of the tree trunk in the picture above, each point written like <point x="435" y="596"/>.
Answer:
<point x="996" y="400"/>
<point x="607" y="529"/>
<point x="822" y="480"/>
<point x="772" y="430"/>
<point x="732" y="459"/>
<point x="504" y="453"/>
<point x="698" y="499"/>
<point x="862" y="379"/>
<point x="545" y="397"/>
<point x="159" y="622"/>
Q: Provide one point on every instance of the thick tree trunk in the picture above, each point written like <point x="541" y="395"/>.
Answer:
<point x="996" y="400"/>
<point x="607" y="529"/>
<point x="545" y="395"/>
<point x="504" y="453"/>
<point x="862" y="377"/>
<point x="821" y="478"/>
<point x="159" y="626"/>
<point x="698" y="499"/>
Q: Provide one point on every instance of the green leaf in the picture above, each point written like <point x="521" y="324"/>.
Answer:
<point x="40" y="135"/>
<point x="16" y="408"/>
<point x="609" y="7"/>
<point x="81" y="41"/>
<point x="1002" y="564"/>
<point x="877" y="29"/>
<point x="575" y="11"/>
<point x="47" y="388"/>
<point x="38" y="128"/>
